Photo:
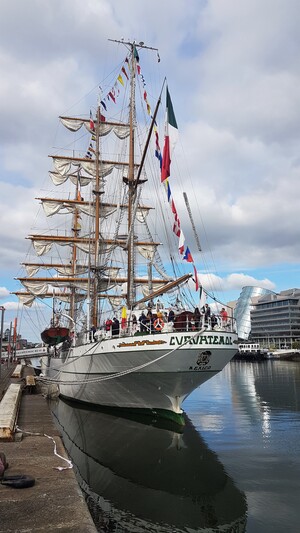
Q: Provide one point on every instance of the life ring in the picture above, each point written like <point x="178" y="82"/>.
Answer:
<point x="158" y="324"/>
<point x="18" y="481"/>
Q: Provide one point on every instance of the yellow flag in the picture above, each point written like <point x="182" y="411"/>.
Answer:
<point x="120" y="79"/>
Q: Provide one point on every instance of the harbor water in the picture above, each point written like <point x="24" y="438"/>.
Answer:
<point x="234" y="467"/>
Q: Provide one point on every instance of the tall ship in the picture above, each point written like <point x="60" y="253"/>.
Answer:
<point x="127" y="328"/>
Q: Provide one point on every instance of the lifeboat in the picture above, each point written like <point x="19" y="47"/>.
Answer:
<point x="54" y="335"/>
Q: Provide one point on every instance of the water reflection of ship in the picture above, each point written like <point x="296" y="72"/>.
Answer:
<point x="141" y="477"/>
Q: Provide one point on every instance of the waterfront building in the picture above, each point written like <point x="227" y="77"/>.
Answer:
<point x="244" y="305"/>
<point x="275" y="319"/>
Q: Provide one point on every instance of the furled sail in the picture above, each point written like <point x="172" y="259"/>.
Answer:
<point x="63" y="165"/>
<point x="122" y="131"/>
<point x="38" y="287"/>
<point x="52" y="207"/>
<point x="66" y="270"/>
<point x="59" y="179"/>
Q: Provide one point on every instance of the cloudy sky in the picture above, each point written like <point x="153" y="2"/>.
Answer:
<point x="233" y="71"/>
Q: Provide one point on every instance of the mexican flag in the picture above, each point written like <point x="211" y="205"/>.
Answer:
<point x="171" y="135"/>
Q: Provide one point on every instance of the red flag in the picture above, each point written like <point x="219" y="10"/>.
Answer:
<point x="124" y="72"/>
<point x="110" y="94"/>
<point x="92" y="124"/>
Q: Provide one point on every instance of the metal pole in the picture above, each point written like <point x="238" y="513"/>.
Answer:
<point x="9" y="347"/>
<point x="2" y="309"/>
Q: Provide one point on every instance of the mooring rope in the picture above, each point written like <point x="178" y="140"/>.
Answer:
<point x="60" y="468"/>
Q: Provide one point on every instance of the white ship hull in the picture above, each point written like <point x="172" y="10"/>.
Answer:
<point x="154" y="372"/>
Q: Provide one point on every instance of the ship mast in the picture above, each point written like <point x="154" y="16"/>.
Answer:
<point x="130" y="180"/>
<point x="76" y="230"/>
<point x="97" y="193"/>
<point x="131" y="184"/>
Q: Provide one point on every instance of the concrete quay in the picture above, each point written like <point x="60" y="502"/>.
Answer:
<point x="55" y="502"/>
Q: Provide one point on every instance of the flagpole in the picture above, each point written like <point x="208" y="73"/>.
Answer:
<point x="2" y="309"/>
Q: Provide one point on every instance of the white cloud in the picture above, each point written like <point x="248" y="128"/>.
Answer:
<point x="15" y="306"/>
<point x="4" y="292"/>
<point x="233" y="282"/>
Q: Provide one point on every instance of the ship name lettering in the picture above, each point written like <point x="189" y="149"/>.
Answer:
<point x="201" y="339"/>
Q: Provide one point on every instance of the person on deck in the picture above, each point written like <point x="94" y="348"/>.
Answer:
<point x="150" y="321"/>
<point x="115" y="328"/>
<point x="206" y="312"/>
<point x="92" y="334"/>
<point x="134" y="323"/>
<point x="224" y="317"/>
<point x="142" y="321"/>
<point x="197" y="317"/>
<point x="171" y="316"/>
<point x="108" y="326"/>
<point x="213" y="321"/>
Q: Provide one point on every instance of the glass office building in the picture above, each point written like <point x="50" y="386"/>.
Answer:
<point x="275" y="319"/>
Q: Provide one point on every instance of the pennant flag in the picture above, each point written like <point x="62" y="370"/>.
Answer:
<point x="176" y="226"/>
<point x="171" y="135"/>
<point x="103" y="104"/>
<point x="196" y="278"/>
<point x="92" y="124"/>
<point x="110" y="94"/>
<point x="181" y="242"/>
<point x="188" y="256"/>
<point x="174" y="210"/>
<point x="169" y="191"/>
<point x="116" y="89"/>
<point x="157" y="149"/>
<point x="102" y="118"/>
<point x="120" y="79"/>
<point x="124" y="72"/>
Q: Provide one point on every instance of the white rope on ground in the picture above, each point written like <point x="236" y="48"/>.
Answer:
<point x="60" y="468"/>
<point x="118" y="374"/>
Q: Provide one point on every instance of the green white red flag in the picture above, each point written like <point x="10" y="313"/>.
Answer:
<point x="171" y="136"/>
